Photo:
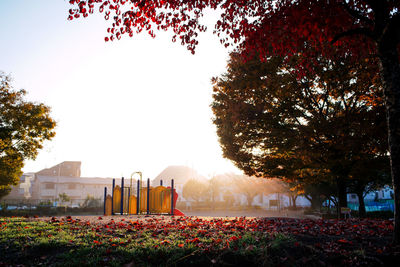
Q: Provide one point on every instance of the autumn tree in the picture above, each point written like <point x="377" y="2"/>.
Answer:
<point x="195" y="190"/>
<point x="214" y="189"/>
<point x="271" y="124"/>
<point x="24" y="126"/>
<point x="250" y="187"/>
<point x="358" y="27"/>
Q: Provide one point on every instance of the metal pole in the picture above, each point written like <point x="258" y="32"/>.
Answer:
<point x="105" y="197"/>
<point x="172" y="197"/>
<point x="129" y="198"/>
<point x="112" y="198"/>
<point x="148" y="196"/>
<point x="122" y="195"/>
<point x="140" y="173"/>
<point x="138" y="197"/>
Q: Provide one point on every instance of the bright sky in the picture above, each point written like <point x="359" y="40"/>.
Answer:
<point x="138" y="104"/>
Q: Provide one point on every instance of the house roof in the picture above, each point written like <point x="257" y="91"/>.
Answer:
<point x="180" y="174"/>
<point x="78" y="180"/>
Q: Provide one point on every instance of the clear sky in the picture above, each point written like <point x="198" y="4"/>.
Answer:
<point x="138" y="104"/>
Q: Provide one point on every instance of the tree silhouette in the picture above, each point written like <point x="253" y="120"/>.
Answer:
<point x="270" y="124"/>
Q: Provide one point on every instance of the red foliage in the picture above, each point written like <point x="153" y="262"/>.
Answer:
<point x="283" y="27"/>
<point x="330" y="236"/>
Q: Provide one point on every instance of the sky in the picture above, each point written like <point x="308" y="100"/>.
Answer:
<point x="138" y="104"/>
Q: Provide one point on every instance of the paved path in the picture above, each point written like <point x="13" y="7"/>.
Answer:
<point x="200" y="214"/>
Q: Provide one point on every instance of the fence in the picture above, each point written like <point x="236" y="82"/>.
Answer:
<point x="88" y="206"/>
<point x="387" y="205"/>
<point x="34" y="203"/>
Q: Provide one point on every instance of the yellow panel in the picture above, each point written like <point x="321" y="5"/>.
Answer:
<point x="117" y="199"/>
<point x="166" y="200"/>
<point x="153" y="200"/>
<point x="132" y="205"/>
<point x="143" y="199"/>
<point x="108" y="205"/>
<point x="157" y="198"/>
<point x="126" y="200"/>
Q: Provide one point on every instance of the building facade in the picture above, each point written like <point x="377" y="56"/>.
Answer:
<point x="47" y="185"/>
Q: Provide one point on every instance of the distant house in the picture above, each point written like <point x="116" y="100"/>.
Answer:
<point x="375" y="200"/>
<point x="48" y="184"/>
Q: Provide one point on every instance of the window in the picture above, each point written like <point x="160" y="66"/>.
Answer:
<point x="49" y="186"/>
<point x="72" y="186"/>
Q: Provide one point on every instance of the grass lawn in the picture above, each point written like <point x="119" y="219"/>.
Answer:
<point x="184" y="241"/>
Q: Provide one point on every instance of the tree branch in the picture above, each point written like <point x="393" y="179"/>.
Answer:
<point x="393" y="28"/>
<point x="381" y="16"/>
<point x="356" y="14"/>
<point x="361" y="31"/>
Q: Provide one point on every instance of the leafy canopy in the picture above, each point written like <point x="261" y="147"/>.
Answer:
<point x="271" y="124"/>
<point x="24" y="126"/>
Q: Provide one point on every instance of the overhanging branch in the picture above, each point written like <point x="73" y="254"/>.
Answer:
<point x="356" y="14"/>
<point x="356" y="31"/>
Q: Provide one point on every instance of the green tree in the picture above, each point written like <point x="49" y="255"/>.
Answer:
<point x="64" y="198"/>
<point x="24" y="126"/>
<point x="91" y="201"/>
<point x="271" y="123"/>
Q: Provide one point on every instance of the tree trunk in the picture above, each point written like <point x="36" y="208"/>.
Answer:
<point x="315" y="201"/>
<point x="294" y="197"/>
<point x="213" y="200"/>
<point x="361" y="204"/>
<point x="390" y="71"/>
<point x="342" y="194"/>
<point x="249" y="199"/>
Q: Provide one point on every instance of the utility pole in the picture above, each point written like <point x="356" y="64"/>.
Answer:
<point x="58" y="181"/>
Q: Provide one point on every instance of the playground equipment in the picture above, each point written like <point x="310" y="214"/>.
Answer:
<point x="146" y="200"/>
